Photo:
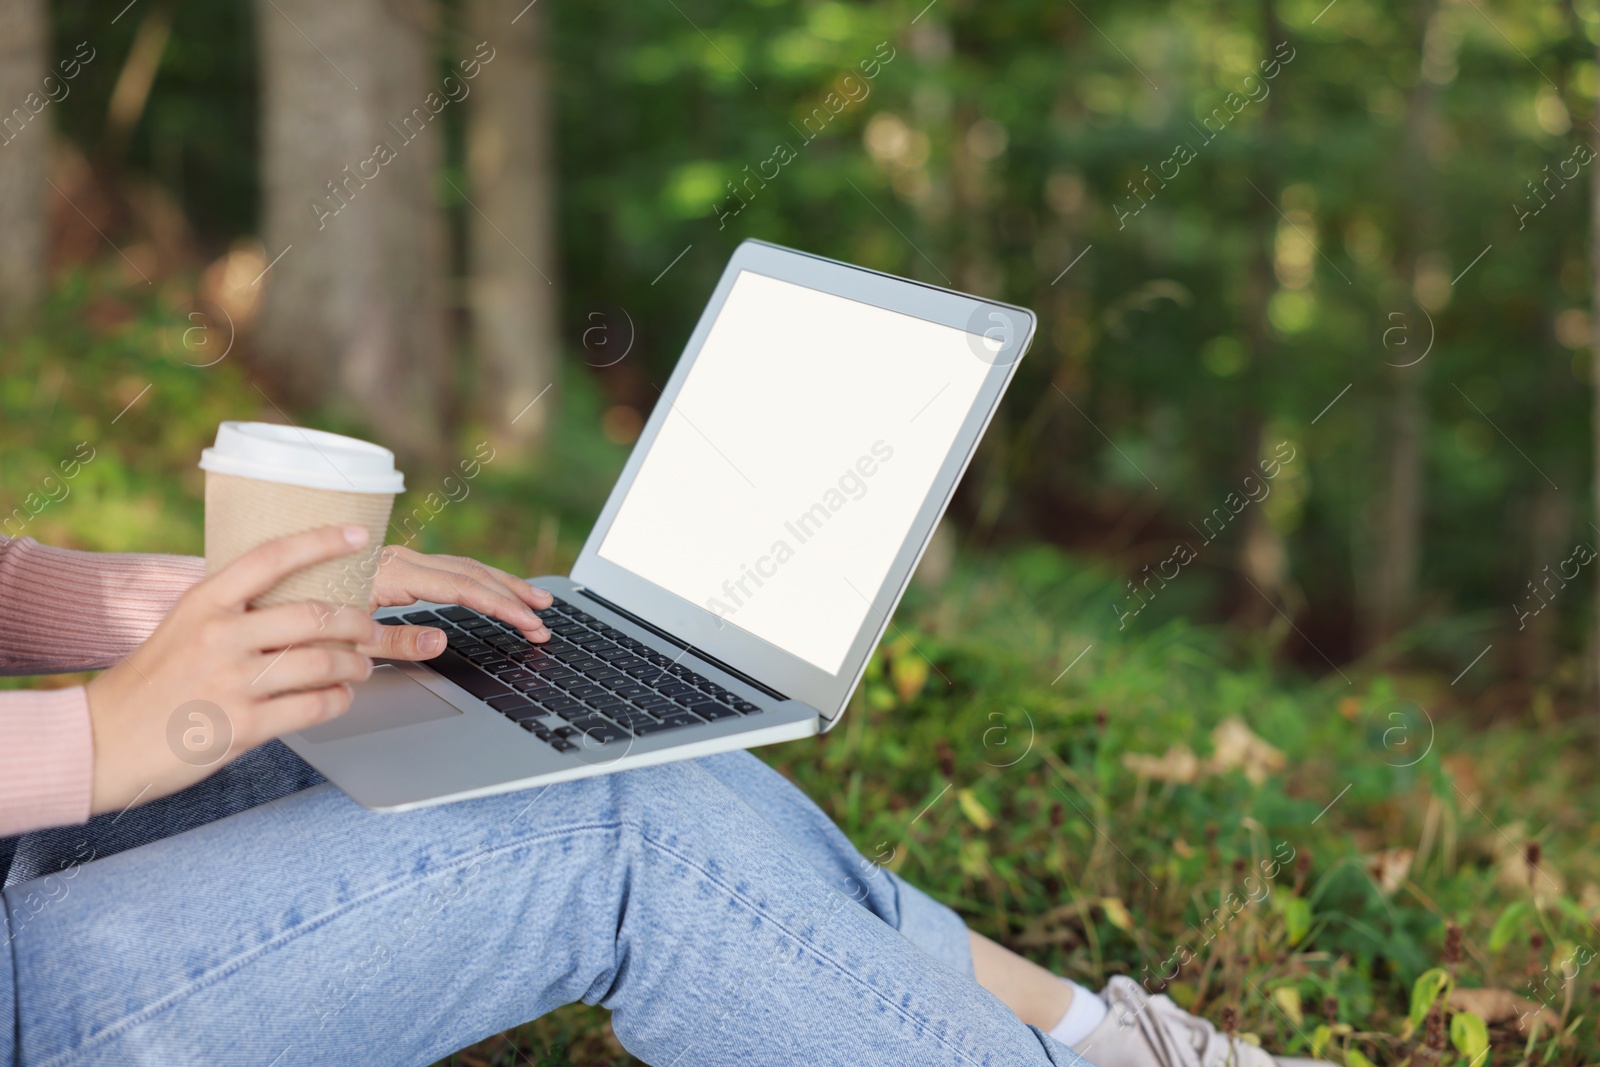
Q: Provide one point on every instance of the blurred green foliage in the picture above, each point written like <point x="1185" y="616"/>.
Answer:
<point x="120" y="368"/>
<point x="1001" y="141"/>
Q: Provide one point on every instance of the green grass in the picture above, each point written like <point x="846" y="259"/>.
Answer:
<point x="973" y="766"/>
<point x="1034" y="829"/>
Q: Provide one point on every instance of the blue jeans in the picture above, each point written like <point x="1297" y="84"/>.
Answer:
<point x="263" y="918"/>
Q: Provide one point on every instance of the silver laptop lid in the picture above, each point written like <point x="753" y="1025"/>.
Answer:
<point x="797" y="463"/>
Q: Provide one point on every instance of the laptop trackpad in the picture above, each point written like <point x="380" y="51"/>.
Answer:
<point x="388" y="699"/>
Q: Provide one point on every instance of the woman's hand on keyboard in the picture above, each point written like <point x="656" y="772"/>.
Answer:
<point x="406" y="576"/>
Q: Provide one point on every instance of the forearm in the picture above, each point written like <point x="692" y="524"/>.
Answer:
<point x="64" y="610"/>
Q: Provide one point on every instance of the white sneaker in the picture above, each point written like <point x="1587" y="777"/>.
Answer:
<point x="1141" y="1030"/>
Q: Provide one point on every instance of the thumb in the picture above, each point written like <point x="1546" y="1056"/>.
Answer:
<point x="406" y="642"/>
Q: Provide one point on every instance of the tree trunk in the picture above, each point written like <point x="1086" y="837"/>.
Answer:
<point x="1392" y="598"/>
<point x="1262" y="555"/>
<point x="24" y="154"/>
<point x="353" y="317"/>
<point x="1549" y="527"/>
<point x="511" y="222"/>
<point x="1399" y="524"/>
<point x="1594" y="371"/>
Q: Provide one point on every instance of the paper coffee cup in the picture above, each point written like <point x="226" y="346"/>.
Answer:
<point x="265" y="481"/>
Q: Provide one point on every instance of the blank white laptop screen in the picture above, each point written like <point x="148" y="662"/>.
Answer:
<point x="793" y="461"/>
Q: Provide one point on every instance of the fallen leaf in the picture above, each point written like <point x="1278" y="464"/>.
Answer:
<point x="973" y="809"/>
<point x="1319" y="1040"/>
<point x="1235" y="745"/>
<point x="1389" y="868"/>
<point x="1117" y="913"/>
<point x="1516" y="873"/>
<point x="1495" y="1006"/>
<point x="1180" y="764"/>
<point x="908" y="675"/>
<point x="1287" y="998"/>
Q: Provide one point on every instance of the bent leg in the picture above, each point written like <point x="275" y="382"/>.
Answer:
<point x="312" y="931"/>
<point x="272" y="772"/>
<point x="926" y="923"/>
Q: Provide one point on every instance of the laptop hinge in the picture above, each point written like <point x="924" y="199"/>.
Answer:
<point x="699" y="652"/>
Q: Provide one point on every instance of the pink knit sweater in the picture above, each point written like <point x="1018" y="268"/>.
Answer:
<point x="61" y="611"/>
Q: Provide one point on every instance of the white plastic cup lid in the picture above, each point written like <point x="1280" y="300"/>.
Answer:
<point x="314" y="459"/>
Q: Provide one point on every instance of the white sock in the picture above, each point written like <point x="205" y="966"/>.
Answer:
<point x="1083" y="1015"/>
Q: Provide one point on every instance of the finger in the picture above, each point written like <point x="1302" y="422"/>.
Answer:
<point x="405" y="642"/>
<point x="393" y="560"/>
<point x="265" y="565"/>
<point x="309" y="620"/>
<point x="403" y="563"/>
<point x="428" y="582"/>
<point x="309" y="667"/>
<point x="531" y="595"/>
<point x="299" y="711"/>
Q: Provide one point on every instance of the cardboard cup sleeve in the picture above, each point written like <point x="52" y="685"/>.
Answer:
<point x="242" y="513"/>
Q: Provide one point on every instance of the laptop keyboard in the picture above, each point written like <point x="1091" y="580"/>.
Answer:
<point x="590" y="684"/>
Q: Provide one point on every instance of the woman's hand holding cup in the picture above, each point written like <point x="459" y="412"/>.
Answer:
<point x="215" y="679"/>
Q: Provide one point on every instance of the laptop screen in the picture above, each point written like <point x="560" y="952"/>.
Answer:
<point x="792" y="463"/>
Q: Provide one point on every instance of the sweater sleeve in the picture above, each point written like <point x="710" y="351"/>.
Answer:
<point x="63" y="610"/>
<point x="46" y="759"/>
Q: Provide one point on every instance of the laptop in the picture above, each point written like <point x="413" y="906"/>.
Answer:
<point x="747" y="561"/>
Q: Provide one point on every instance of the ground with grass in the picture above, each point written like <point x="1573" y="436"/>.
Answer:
<point x="1365" y="866"/>
<point x="1291" y="856"/>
